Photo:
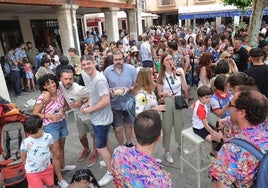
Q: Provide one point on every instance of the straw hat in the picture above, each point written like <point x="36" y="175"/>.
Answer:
<point x="134" y="49"/>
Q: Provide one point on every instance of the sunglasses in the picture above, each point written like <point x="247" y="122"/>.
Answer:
<point x="231" y="105"/>
<point x="228" y="57"/>
<point x="171" y="80"/>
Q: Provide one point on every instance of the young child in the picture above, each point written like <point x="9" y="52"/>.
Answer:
<point x="199" y="118"/>
<point x="35" y="154"/>
<point x="221" y="97"/>
<point x="29" y="74"/>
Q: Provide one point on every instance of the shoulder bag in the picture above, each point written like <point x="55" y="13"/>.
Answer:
<point x="180" y="102"/>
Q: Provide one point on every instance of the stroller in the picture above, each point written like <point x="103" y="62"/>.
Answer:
<point x="11" y="135"/>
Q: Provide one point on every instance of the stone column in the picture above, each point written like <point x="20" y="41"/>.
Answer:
<point x="68" y="27"/>
<point x="4" y="91"/>
<point x="132" y="23"/>
<point x="218" y="23"/>
<point x="139" y="17"/>
<point x="99" y="27"/>
<point x="111" y="23"/>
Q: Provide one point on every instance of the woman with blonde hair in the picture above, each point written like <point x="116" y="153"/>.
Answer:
<point x="228" y="58"/>
<point x="171" y="83"/>
<point x="143" y="90"/>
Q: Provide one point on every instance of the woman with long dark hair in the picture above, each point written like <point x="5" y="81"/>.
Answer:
<point x="53" y="114"/>
<point x="204" y="70"/>
<point x="171" y="83"/>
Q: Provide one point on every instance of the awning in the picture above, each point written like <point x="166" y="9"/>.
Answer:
<point x="211" y="11"/>
<point x="121" y="15"/>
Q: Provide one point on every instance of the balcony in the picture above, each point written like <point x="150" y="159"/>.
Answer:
<point x="166" y="3"/>
<point x="204" y="2"/>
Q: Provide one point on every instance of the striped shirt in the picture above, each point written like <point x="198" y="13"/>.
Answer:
<point x="51" y="106"/>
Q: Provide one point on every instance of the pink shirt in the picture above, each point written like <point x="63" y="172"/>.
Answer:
<point x="51" y="106"/>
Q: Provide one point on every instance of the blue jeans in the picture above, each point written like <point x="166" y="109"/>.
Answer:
<point x="101" y="135"/>
<point x="58" y="130"/>
<point x="15" y="78"/>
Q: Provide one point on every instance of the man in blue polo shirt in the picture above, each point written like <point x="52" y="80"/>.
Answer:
<point x="121" y="77"/>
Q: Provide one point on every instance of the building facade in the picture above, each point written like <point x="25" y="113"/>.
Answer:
<point x="60" y="22"/>
<point x="190" y="13"/>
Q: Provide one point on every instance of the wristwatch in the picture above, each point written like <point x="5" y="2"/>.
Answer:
<point x="222" y="141"/>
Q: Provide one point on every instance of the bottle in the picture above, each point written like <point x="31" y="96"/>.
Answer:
<point x="56" y="112"/>
<point x="162" y="101"/>
<point x="227" y="129"/>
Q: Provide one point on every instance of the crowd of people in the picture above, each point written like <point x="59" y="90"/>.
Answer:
<point x="161" y="65"/>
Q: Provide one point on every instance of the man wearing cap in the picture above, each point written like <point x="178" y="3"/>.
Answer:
<point x="258" y="70"/>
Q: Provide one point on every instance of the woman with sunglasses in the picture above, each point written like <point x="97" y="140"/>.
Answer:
<point x="228" y="58"/>
<point x="171" y="83"/>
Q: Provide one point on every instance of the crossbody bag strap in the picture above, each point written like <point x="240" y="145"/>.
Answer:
<point x="169" y="85"/>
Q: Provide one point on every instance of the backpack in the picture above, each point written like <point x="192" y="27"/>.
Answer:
<point x="131" y="108"/>
<point x="11" y="135"/>
<point x="262" y="172"/>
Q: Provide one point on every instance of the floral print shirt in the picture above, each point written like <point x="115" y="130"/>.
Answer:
<point x="132" y="168"/>
<point x="235" y="164"/>
<point x="145" y="101"/>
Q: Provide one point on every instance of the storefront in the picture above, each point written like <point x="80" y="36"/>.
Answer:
<point x="215" y="12"/>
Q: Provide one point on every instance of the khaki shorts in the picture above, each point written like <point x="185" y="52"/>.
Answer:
<point x="83" y="127"/>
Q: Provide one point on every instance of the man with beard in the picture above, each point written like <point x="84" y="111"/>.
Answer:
<point x="76" y="96"/>
<point x="121" y="77"/>
<point x="31" y="53"/>
<point x="235" y="165"/>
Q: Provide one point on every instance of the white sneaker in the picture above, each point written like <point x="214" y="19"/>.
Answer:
<point x="68" y="168"/>
<point x="107" y="178"/>
<point x="169" y="157"/>
<point x="158" y="160"/>
<point x="102" y="164"/>
<point x="63" y="184"/>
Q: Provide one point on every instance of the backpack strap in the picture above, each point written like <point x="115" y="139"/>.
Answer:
<point x="248" y="146"/>
<point x="7" y="145"/>
<point x="20" y="140"/>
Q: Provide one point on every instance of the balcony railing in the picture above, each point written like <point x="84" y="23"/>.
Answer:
<point x="161" y="3"/>
<point x="204" y="1"/>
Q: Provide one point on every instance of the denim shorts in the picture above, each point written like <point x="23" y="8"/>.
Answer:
<point x="29" y="75"/>
<point x="101" y="135"/>
<point x="120" y="118"/>
<point x="58" y="130"/>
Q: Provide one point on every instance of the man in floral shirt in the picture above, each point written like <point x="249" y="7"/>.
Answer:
<point x="135" y="166"/>
<point x="234" y="164"/>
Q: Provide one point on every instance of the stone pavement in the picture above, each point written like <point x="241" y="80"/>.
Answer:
<point x="73" y="149"/>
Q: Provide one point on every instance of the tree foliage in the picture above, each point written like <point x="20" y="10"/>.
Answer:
<point x="241" y="4"/>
